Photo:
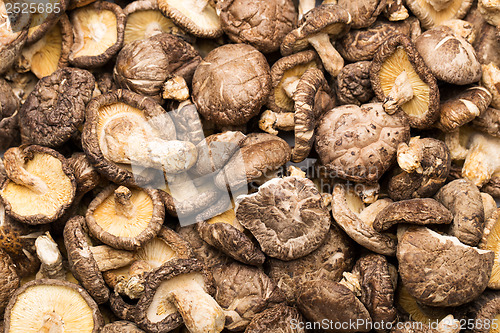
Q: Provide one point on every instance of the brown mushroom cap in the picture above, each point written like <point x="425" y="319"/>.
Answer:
<point x="458" y="63"/>
<point x="9" y="105"/>
<point x="231" y="99"/>
<point x="277" y="319"/>
<point x="326" y="300"/>
<point x="9" y="281"/>
<point x="42" y="21"/>
<point x="98" y="30"/>
<point x="485" y="308"/>
<point x="197" y="17"/>
<point x="262" y="24"/>
<point x="438" y="270"/>
<point x="41" y="177"/>
<point x="359" y="143"/>
<point x="243" y="291"/>
<point x="491" y="81"/>
<point x="353" y="85"/>
<point x="120" y="327"/>
<point x="286" y="216"/>
<point x="396" y="56"/>
<point x="432" y="13"/>
<point x="15" y="36"/>
<point x="464" y="200"/>
<point x="54" y="111"/>
<point x="334" y="256"/>
<point x="125" y="219"/>
<point x="363" y="12"/>
<point x="413" y="211"/>
<point x="49" y="304"/>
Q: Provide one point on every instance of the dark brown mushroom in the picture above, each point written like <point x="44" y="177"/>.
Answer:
<point x="9" y="107"/>
<point x="120" y="327"/>
<point x="260" y="24"/>
<point x="432" y="13"/>
<point x="484" y="309"/>
<point x="439" y="270"/>
<point x="14" y="34"/>
<point x="315" y="29"/>
<point x="233" y="99"/>
<point x="9" y="279"/>
<point x="277" y="319"/>
<point x="43" y="19"/>
<point x="402" y="81"/>
<point x="98" y="30"/>
<point x="359" y="143"/>
<point x="464" y="200"/>
<point x="353" y="84"/>
<point x="363" y="12"/>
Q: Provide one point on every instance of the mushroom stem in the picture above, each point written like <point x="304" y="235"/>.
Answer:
<point x="401" y="92"/>
<point x="305" y="6"/>
<point x="123" y="205"/>
<point x="293" y="171"/>
<point x="50" y="257"/>
<point x="482" y="161"/>
<point x="290" y="85"/>
<point x="439" y="5"/>
<point x="52" y="323"/>
<point x="411" y="155"/>
<point x="108" y="258"/>
<point x="181" y="186"/>
<point x="331" y="59"/>
<point x="271" y="122"/>
<point x="351" y="281"/>
<point x="15" y="169"/>
<point x="176" y="88"/>
<point x="368" y="193"/>
<point x="134" y="286"/>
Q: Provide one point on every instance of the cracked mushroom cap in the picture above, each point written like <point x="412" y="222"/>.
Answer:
<point x="439" y="270"/>
<point x="198" y="17"/>
<point x="52" y="305"/>
<point x="40" y="184"/>
<point x="434" y="12"/>
<point x="357" y="220"/>
<point x="285" y="74"/>
<point x="42" y="20"/>
<point x="353" y="85"/>
<point x="180" y="291"/>
<point x="9" y="279"/>
<point x="9" y="106"/>
<point x="334" y="256"/>
<point x="225" y="233"/>
<point x="262" y="24"/>
<point x="50" y="52"/>
<point x="55" y="109"/>
<point x="363" y="12"/>
<point x="458" y="63"/>
<point x="286" y="216"/>
<point x="227" y="91"/>
<point x="326" y="300"/>
<point x="14" y="34"/>
<point x="490" y="241"/>
<point x="399" y="76"/>
<point x="125" y="218"/>
<point x="464" y="201"/>
<point x="87" y="261"/>
<point x="120" y="327"/>
<point x="276" y="319"/>
<point x="111" y="119"/>
<point x="98" y="33"/>
<point x="243" y="291"/>
<point x="359" y="143"/>
<point x="144" y="65"/>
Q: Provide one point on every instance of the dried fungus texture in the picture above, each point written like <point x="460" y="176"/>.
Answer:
<point x="354" y="85"/>
<point x="278" y="319"/>
<point x="363" y="12"/>
<point x="9" y="105"/>
<point x="55" y="109"/>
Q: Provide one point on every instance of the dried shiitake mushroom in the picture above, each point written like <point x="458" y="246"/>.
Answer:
<point x="286" y="216"/>
<point x="120" y="327"/>
<point x="363" y="12"/>
<point x="315" y="29"/>
<point x="98" y="30"/>
<point x="485" y="308"/>
<point x="439" y="270"/>
<point x="491" y="81"/>
<point x="13" y="36"/>
<point x="262" y="24"/>
<point x="40" y="184"/>
<point x="359" y="143"/>
<point x="44" y="18"/>
<point x="9" y="107"/>
<point x="402" y="81"/>
<point x="277" y="319"/>
<point x="395" y="10"/>
<point x="125" y="218"/>
<point x="490" y="241"/>
<point x="353" y="84"/>
<point x="50" y="52"/>
<point x="55" y="109"/>
<point x="409" y="308"/>
<point x="434" y="12"/>
<point x="490" y="11"/>
<point x="49" y="305"/>
<point x="10" y="279"/>
<point x="228" y="100"/>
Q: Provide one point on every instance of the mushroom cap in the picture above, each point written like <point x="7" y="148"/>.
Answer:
<point x="363" y="12"/>
<point x="276" y="319"/>
<point x="324" y="299"/>
<point x="244" y="291"/>
<point x="96" y="51"/>
<point x="9" y="281"/>
<point x="54" y="111"/>
<point x="53" y="303"/>
<point x="286" y="216"/>
<point x="458" y="63"/>
<point x="204" y="23"/>
<point x="312" y="99"/>
<point x="492" y="187"/>
<point x="87" y="178"/>
<point x="42" y="21"/>
<point x="14" y="43"/>
<point x="126" y="232"/>
<point x="359" y="143"/>
<point x="9" y="105"/>
<point x="331" y="19"/>
<point x="144" y="65"/>
<point x="231" y="99"/>
<point x="398" y="54"/>
<point x="82" y="262"/>
<point x="432" y="13"/>
<point x="334" y="256"/>
<point x="45" y="207"/>
<point x="121" y="326"/>
<point x="293" y="65"/>
<point x="262" y="24"/>
<point x="484" y="308"/>
<point x="353" y="85"/>
<point x="439" y="270"/>
<point x="102" y="110"/>
<point x="362" y="44"/>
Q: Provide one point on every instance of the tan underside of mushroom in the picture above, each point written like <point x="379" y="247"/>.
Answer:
<point x="147" y="23"/>
<point x="95" y="31"/>
<point x="305" y="6"/>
